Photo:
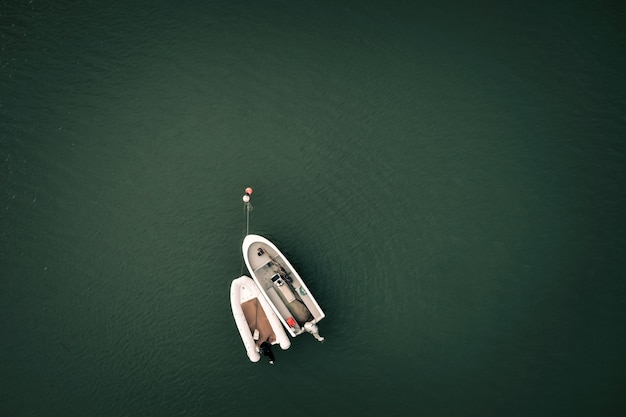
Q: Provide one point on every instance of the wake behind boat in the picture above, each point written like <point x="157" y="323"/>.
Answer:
<point x="282" y="287"/>
<point x="256" y="321"/>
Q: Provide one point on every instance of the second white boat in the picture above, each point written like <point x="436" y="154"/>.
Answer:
<point x="256" y="321"/>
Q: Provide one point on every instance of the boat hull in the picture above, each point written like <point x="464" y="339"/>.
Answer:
<point x="280" y="284"/>
<point x="251" y="312"/>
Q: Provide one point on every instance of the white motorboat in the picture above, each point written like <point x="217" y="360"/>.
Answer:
<point x="282" y="287"/>
<point x="256" y="321"/>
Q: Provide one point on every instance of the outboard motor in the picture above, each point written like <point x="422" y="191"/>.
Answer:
<point x="266" y="350"/>
<point x="313" y="329"/>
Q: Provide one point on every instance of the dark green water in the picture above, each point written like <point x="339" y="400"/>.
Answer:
<point x="448" y="177"/>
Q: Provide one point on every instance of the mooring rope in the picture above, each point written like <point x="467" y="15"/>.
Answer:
<point x="247" y="207"/>
<point x="245" y="233"/>
<point x="246" y="221"/>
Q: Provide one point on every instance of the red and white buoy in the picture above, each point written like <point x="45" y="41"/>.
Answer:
<point x="246" y="196"/>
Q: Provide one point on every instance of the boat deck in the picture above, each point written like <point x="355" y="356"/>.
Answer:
<point x="259" y="257"/>
<point x="266" y="265"/>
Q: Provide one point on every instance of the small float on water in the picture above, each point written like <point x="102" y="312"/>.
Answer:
<point x="256" y="321"/>
<point x="281" y="286"/>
